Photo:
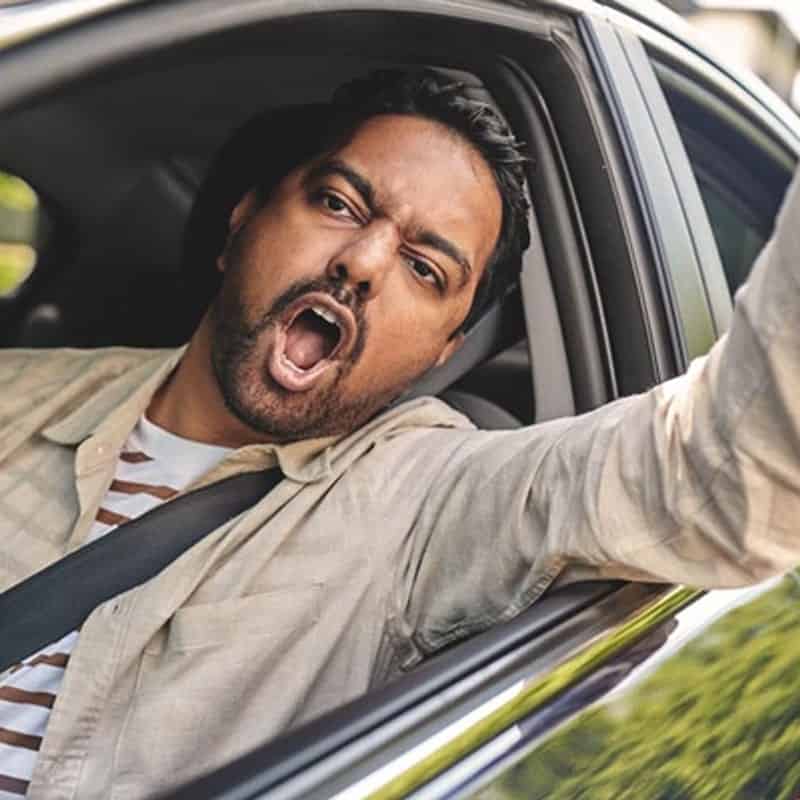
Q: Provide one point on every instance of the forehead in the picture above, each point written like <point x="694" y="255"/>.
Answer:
<point x="425" y="175"/>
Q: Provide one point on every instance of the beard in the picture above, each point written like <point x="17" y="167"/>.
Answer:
<point x="257" y="400"/>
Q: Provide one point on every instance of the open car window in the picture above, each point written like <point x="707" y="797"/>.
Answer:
<point x="142" y="164"/>
<point x="140" y="167"/>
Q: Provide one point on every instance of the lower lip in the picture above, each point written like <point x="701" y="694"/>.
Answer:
<point x="287" y="375"/>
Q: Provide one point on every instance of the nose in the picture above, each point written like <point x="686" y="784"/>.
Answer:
<point x="364" y="262"/>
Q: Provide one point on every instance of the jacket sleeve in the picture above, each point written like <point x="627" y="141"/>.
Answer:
<point x="696" y="481"/>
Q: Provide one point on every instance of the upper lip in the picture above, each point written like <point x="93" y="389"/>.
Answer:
<point x="344" y="319"/>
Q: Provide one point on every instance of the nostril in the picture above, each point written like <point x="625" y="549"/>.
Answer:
<point x="362" y="288"/>
<point x="341" y="271"/>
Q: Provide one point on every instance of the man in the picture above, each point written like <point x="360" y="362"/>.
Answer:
<point x="395" y="531"/>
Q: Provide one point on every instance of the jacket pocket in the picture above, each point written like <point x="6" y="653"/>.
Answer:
<point x="268" y="615"/>
<point x="223" y="677"/>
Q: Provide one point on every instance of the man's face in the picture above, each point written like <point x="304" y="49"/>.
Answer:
<point x="352" y="279"/>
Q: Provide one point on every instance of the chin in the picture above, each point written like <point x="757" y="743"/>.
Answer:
<point x="283" y="416"/>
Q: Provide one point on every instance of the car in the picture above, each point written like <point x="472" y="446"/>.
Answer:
<point x="655" y="175"/>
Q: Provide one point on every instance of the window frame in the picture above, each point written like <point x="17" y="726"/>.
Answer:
<point x="756" y="105"/>
<point x="685" y="256"/>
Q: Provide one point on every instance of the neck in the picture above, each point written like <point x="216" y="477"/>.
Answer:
<point x="191" y="405"/>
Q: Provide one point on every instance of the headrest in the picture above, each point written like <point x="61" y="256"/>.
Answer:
<point x="269" y="145"/>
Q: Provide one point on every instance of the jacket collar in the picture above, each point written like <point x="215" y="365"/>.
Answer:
<point x="113" y="410"/>
<point x="123" y="398"/>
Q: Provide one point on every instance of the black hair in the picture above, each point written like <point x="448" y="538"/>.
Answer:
<point x="458" y="107"/>
<point x="272" y="144"/>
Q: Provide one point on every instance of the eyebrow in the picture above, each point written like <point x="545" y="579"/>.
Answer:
<point x="335" y="166"/>
<point x="445" y="246"/>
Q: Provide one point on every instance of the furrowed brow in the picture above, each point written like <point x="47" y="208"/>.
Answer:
<point x="446" y="247"/>
<point x="335" y="166"/>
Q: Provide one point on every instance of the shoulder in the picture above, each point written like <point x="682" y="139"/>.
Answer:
<point x="61" y="379"/>
<point x="20" y="365"/>
<point x="423" y="413"/>
<point x="386" y="439"/>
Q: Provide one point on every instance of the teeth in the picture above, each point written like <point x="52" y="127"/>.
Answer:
<point x="326" y="314"/>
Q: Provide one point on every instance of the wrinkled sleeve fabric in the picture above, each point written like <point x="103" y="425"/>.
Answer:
<point x="696" y="481"/>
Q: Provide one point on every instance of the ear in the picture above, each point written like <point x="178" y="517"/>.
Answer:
<point x="242" y="211"/>
<point x="451" y="348"/>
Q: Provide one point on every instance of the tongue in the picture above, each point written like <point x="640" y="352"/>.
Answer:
<point x="306" y="342"/>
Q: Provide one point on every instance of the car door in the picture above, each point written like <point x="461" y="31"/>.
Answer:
<point x="406" y="734"/>
<point x="711" y="710"/>
<point x="474" y="719"/>
<point x="689" y="694"/>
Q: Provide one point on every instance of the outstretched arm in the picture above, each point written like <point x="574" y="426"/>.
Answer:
<point x="696" y="481"/>
<point x="707" y="466"/>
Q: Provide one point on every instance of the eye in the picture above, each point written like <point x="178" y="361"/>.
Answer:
<point x="424" y="271"/>
<point x="335" y="204"/>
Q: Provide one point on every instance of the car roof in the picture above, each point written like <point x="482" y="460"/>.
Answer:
<point x="22" y="20"/>
<point x="671" y="25"/>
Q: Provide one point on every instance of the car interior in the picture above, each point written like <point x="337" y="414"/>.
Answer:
<point x="120" y="157"/>
<point x="141" y="252"/>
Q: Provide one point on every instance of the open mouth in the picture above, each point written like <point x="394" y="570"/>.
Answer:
<point x="312" y="336"/>
<point x="314" y="333"/>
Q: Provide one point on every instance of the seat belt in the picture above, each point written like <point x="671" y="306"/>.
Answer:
<point x="51" y="603"/>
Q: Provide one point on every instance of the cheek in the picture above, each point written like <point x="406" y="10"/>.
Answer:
<point x="405" y="340"/>
<point x="417" y="319"/>
<point x="271" y="261"/>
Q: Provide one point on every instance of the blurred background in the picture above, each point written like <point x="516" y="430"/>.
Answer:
<point x="760" y="35"/>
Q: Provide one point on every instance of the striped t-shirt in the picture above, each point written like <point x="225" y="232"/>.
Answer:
<point x="153" y="466"/>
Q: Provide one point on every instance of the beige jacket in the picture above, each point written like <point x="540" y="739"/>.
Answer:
<point x="378" y="549"/>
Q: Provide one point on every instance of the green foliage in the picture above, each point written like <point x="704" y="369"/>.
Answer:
<point x="16" y="263"/>
<point x="19" y="217"/>
<point x="15" y="194"/>
<point x="720" y="719"/>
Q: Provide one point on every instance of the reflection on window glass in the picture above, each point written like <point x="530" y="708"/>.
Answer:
<point x="739" y="237"/>
<point x="741" y="168"/>
<point x="717" y="720"/>
<point x="20" y="231"/>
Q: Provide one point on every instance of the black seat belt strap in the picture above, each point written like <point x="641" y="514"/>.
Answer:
<point x="51" y="603"/>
